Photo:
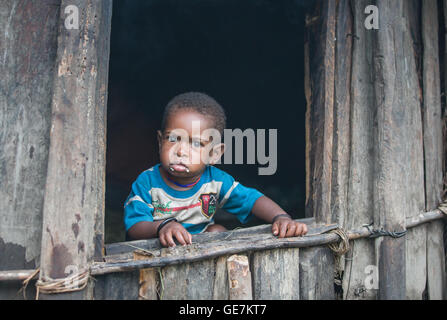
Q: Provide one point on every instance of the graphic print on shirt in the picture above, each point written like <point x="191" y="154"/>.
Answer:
<point x="161" y="208"/>
<point x="209" y="203"/>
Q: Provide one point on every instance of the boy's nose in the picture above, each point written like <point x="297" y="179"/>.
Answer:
<point x="181" y="150"/>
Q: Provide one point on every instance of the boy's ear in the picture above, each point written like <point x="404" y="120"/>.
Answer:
<point x="216" y="153"/>
<point x="159" y="138"/>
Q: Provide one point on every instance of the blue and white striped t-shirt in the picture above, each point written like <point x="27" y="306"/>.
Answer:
<point x="151" y="199"/>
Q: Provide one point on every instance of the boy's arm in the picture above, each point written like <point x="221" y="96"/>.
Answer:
<point x="266" y="209"/>
<point x="144" y="230"/>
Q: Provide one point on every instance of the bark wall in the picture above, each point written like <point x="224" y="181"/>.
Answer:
<point x="375" y="140"/>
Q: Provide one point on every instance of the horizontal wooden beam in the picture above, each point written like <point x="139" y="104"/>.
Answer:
<point x="205" y="250"/>
<point x="250" y="243"/>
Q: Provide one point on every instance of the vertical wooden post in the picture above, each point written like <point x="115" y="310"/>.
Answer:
<point x="74" y="193"/>
<point x="28" y="48"/>
<point x="321" y="118"/>
<point x="276" y="274"/>
<point x="433" y="147"/>
<point x="316" y="273"/>
<point x="221" y="287"/>
<point x="416" y="274"/>
<point x="188" y="281"/>
<point x="432" y="105"/>
<point x="392" y="133"/>
<point x="149" y="280"/>
<point x="360" y="209"/>
<point x="239" y="278"/>
<point x="342" y="112"/>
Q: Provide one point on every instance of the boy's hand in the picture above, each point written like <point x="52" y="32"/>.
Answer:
<point x="171" y="230"/>
<point x="284" y="227"/>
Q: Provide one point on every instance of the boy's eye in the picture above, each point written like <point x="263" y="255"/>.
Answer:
<point x="196" y="144"/>
<point x="172" y="138"/>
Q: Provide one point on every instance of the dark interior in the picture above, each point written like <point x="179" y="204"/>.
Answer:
<point x="248" y="55"/>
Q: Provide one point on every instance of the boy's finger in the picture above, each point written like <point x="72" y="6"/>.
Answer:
<point x="169" y="239"/>
<point x="179" y="236"/>
<point x="304" y="229"/>
<point x="291" y="228"/>
<point x="187" y="236"/>
<point x="162" y="240"/>
<point x="275" y="229"/>
<point x="299" y="230"/>
<point x="282" y="230"/>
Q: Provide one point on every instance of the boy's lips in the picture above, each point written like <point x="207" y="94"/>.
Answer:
<point x="179" y="167"/>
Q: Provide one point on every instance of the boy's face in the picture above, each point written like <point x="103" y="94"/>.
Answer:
<point x="186" y="146"/>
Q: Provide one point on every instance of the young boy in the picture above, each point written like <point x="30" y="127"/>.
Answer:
<point x="179" y="196"/>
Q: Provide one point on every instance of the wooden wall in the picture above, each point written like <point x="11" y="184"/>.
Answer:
<point x="53" y="115"/>
<point x="27" y="53"/>
<point x="374" y="106"/>
<point x="288" y="273"/>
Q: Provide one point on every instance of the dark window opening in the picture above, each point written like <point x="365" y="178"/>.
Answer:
<point x="248" y="55"/>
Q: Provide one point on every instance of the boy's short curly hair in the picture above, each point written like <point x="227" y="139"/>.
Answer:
<point x="199" y="102"/>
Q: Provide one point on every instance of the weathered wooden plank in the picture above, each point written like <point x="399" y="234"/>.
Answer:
<point x="342" y="110"/>
<point x="308" y="129"/>
<point x="239" y="278"/>
<point x="190" y="281"/>
<point x="416" y="256"/>
<point x="433" y="143"/>
<point x="221" y="286"/>
<point x="391" y="162"/>
<point x="436" y="277"/>
<point x="28" y="48"/>
<point x="199" y="252"/>
<point x="122" y="247"/>
<point x="360" y="208"/>
<point x="322" y="63"/>
<point x="72" y="219"/>
<point x="416" y="263"/>
<point x="276" y="274"/>
<point x="149" y="280"/>
<point x="316" y="274"/>
<point x="433" y="146"/>
<point x="117" y="286"/>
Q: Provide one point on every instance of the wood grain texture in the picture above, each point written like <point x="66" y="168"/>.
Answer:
<point x="322" y="37"/>
<point x="432" y="114"/>
<point x="72" y="220"/>
<point x="28" y="45"/>
<point x="276" y="274"/>
<point x="189" y="281"/>
<point x="117" y="286"/>
<point x="207" y="237"/>
<point x="360" y="205"/>
<point x="149" y="280"/>
<point x="221" y="285"/>
<point x="416" y="256"/>
<point x="342" y="111"/>
<point x="390" y="190"/>
<point x="316" y="274"/>
<point x="436" y="276"/>
<point x="433" y="148"/>
<point x="239" y="278"/>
